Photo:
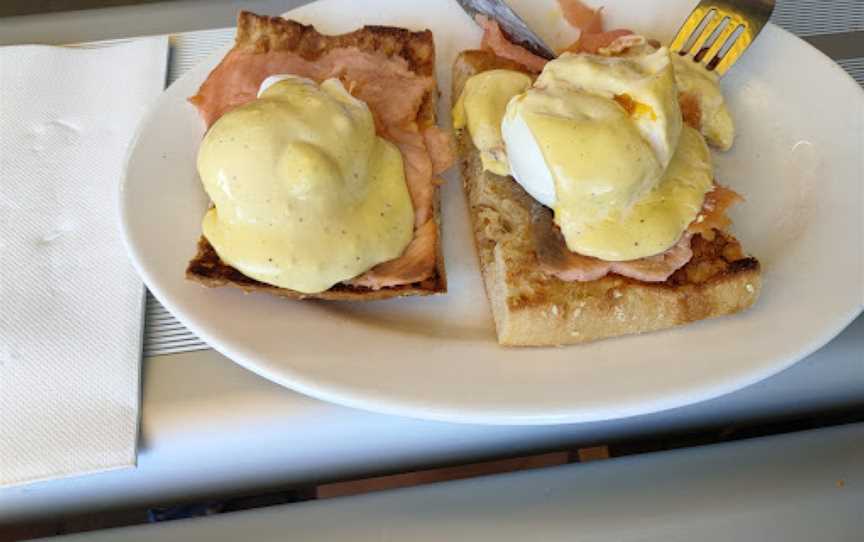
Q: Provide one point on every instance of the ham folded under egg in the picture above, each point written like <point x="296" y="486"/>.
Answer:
<point x="395" y="96"/>
<point x="557" y="260"/>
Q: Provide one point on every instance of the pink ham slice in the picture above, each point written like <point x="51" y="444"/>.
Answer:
<point x="613" y="42"/>
<point x="495" y="41"/>
<point x="581" y="16"/>
<point x="657" y="268"/>
<point x="557" y="260"/>
<point x="592" y="39"/>
<point x="412" y="266"/>
<point x="440" y="147"/>
<point x="713" y="215"/>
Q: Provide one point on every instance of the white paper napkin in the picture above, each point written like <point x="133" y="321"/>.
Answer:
<point x="70" y="303"/>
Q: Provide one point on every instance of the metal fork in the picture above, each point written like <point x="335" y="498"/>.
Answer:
<point x="717" y="32"/>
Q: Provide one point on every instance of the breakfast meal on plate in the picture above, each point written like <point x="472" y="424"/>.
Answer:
<point x="591" y="189"/>
<point x="321" y="161"/>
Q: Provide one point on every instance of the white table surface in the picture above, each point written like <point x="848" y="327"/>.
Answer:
<point x="800" y="487"/>
<point x="210" y="427"/>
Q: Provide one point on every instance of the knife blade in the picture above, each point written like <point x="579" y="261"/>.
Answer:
<point x="511" y="24"/>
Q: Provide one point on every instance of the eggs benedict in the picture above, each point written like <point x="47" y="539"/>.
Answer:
<point x="600" y="215"/>
<point x="305" y="195"/>
<point x="601" y="141"/>
<point x="321" y="159"/>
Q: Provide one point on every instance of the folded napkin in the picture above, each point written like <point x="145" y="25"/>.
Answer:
<point x="70" y="303"/>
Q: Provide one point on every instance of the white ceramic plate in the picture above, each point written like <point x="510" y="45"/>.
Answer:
<point x="797" y="159"/>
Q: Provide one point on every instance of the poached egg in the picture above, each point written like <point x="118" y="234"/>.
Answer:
<point x="305" y="194"/>
<point x="600" y="140"/>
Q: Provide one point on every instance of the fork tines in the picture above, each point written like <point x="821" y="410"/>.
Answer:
<point x="717" y="32"/>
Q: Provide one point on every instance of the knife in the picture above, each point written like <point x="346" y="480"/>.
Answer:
<point x="511" y="24"/>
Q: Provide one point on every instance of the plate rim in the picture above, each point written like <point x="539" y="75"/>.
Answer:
<point x="289" y="377"/>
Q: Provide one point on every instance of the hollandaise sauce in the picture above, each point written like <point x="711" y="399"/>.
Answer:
<point x="601" y="141"/>
<point x="481" y="107"/>
<point x="655" y="221"/>
<point x="716" y="122"/>
<point x="305" y="194"/>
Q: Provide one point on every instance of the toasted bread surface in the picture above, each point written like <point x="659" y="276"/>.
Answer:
<point x="531" y="308"/>
<point x="259" y="34"/>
